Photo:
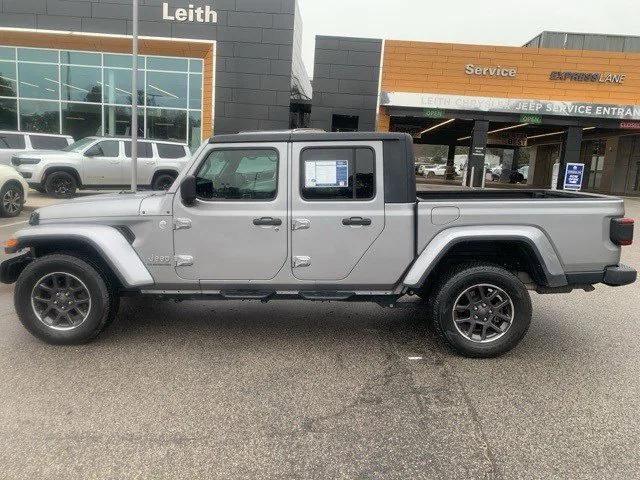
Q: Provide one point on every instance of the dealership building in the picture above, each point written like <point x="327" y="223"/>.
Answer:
<point x="232" y="65"/>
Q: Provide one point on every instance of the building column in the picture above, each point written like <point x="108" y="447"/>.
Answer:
<point x="477" y="151"/>
<point x="450" y="173"/>
<point x="570" y="152"/>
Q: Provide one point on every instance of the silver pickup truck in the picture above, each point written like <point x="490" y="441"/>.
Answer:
<point x="316" y="216"/>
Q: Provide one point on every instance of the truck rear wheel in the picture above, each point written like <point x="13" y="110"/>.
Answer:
<point x="61" y="299"/>
<point x="481" y="310"/>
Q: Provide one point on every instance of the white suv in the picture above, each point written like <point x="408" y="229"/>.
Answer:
<point x="13" y="192"/>
<point x="101" y="162"/>
<point x="12" y="142"/>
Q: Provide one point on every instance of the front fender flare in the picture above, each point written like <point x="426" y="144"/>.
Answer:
<point x="445" y="240"/>
<point x="109" y="242"/>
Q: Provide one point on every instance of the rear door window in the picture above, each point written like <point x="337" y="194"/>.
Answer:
<point x="144" y="150"/>
<point x="43" y="142"/>
<point x="168" y="150"/>
<point x="11" y="141"/>
<point x="329" y="173"/>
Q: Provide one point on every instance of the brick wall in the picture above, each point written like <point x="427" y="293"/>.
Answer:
<point x="439" y="68"/>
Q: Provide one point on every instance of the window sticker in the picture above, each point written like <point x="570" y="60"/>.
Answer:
<point x="326" y="173"/>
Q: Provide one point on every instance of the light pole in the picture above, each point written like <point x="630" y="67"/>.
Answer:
<point x="134" y="100"/>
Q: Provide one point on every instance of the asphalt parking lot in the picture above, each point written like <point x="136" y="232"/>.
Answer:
<point x="299" y="390"/>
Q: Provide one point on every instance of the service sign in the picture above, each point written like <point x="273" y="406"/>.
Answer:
<point x="573" y="176"/>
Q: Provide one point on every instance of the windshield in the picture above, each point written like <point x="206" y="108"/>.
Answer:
<point x="79" y="145"/>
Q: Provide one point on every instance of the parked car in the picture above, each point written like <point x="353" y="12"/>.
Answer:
<point x="101" y="162"/>
<point x="13" y="192"/>
<point x="430" y="171"/>
<point x="12" y="142"/>
<point x="316" y="217"/>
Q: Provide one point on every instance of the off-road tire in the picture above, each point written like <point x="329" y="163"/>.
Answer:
<point x="104" y="301"/>
<point x="163" y="181"/>
<point x="11" y="199"/>
<point x="61" y="185"/>
<point x="461" y="277"/>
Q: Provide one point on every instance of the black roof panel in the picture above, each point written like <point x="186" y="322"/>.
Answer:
<point x="305" y="136"/>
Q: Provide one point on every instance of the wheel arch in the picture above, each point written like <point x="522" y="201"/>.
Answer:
<point x="103" y="245"/>
<point x="53" y="169"/>
<point x="518" y="248"/>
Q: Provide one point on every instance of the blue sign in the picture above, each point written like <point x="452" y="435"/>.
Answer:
<point x="342" y="173"/>
<point x="573" y="176"/>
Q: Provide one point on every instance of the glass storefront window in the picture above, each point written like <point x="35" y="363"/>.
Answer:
<point x="38" y="81"/>
<point x="80" y="84"/>
<point x="117" y="60"/>
<point x="39" y="116"/>
<point x="37" y="55"/>
<point x="8" y="114"/>
<point x="89" y="93"/>
<point x="117" y="120"/>
<point x="166" y="90"/>
<point x="167" y="124"/>
<point x="8" y="53"/>
<point x="81" y="120"/>
<point x="8" y="79"/>
<point x="195" y="65"/>
<point x="80" y="58"/>
<point x="195" y="91"/>
<point x="195" y="130"/>
<point x="170" y="64"/>
<point x="117" y="86"/>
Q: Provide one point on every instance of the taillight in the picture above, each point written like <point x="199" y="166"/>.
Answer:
<point x="621" y="232"/>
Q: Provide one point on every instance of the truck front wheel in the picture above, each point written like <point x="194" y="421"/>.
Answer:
<point x="61" y="299"/>
<point x="481" y="310"/>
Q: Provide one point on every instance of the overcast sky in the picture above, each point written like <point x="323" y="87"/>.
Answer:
<point x="493" y="22"/>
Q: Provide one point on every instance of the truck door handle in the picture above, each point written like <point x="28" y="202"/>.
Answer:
<point x="267" y="221"/>
<point x="364" y="222"/>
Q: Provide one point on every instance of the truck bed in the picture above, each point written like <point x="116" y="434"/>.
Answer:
<point x="576" y="224"/>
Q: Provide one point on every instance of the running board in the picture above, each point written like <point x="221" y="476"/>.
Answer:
<point x="326" y="296"/>
<point x="263" y="295"/>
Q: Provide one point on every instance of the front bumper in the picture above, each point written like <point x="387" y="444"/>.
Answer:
<point x="619" y="275"/>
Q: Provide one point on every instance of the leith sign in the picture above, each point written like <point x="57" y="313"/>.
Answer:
<point x="190" y="14"/>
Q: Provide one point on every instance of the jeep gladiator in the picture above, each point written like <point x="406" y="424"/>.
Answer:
<point x="316" y="216"/>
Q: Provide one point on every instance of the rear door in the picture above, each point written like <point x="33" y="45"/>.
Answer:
<point x="147" y="161"/>
<point x="237" y="229"/>
<point x="337" y="207"/>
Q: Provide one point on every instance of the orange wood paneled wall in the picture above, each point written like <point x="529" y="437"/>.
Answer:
<point x="123" y="45"/>
<point x="440" y="68"/>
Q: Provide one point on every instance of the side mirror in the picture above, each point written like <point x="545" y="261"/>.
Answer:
<point x="188" y="190"/>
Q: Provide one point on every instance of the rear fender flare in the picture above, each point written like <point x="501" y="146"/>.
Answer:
<point x="438" y="247"/>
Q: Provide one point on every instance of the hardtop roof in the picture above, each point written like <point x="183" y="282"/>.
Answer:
<point x="305" y="136"/>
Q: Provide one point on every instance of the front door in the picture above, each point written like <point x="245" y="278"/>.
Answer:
<point x="102" y="164"/>
<point x="337" y="207"/>
<point x="238" y="225"/>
